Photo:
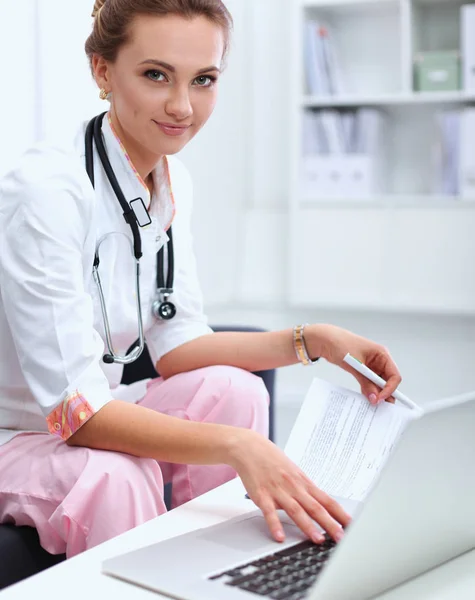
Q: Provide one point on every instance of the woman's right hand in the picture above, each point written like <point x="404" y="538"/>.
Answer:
<point x="274" y="482"/>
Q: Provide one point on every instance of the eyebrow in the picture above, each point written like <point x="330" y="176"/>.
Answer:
<point x="171" y="68"/>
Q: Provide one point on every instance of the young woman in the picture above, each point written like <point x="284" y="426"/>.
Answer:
<point x="82" y="457"/>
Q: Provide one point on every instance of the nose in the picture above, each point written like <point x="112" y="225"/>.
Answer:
<point x="178" y="104"/>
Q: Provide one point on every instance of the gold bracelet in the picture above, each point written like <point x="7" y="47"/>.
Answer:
<point x="300" y="347"/>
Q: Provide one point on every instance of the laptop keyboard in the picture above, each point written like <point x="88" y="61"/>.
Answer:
<point x="284" y="575"/>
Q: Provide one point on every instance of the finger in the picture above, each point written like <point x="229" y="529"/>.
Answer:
<point x="334" y="508"/>
<point x="372" y="392"/>
<point x="390" y="387"/>
<point x="368" y="389"/>
<point x="269" y="511"/>
<point x="321" y="515"/>
<point x="382" y="364"/>
<point x="390" y="373"/>
<point x="300" y="517"/>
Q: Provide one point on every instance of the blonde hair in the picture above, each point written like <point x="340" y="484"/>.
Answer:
<point x="97" y="7"/>
<point x="112" y="20"/>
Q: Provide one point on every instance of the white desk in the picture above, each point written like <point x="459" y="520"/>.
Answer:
<point x="81" y="579"/>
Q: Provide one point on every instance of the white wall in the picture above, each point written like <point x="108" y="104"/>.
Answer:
<point x="67" y="93"/>
<point x="435" y="354"/>
<point x="240" y="169"/>
<point x="18" y="80"/>
<point x="46" y="86"/>
<point x="219" y="162"/>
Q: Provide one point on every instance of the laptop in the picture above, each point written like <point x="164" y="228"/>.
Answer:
<point x="418" y="515"/>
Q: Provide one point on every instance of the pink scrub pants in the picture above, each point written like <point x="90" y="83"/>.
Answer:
<point x="80" y="497"/>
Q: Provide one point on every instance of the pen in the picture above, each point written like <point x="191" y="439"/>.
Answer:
<point x="379" y="381"/>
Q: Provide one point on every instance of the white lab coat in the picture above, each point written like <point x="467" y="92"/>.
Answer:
<point x="52" y="339"/>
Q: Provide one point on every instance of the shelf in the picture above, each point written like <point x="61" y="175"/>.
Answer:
<point x="388" y="307"/>
<point x="415" y="237"/>
<point x="415" y="98"/>
<point x="391" y="202"/>
<point x="432" y="3"/>
<point x="360" y="4"/>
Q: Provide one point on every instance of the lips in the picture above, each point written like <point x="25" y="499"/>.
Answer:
<point x="172" y="130"/>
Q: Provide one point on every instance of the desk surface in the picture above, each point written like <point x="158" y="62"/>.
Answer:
<point x="81" y="577"/>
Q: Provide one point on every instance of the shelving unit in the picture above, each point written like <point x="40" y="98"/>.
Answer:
<point x="405" y="248"/>
<point x="401" y="99"/>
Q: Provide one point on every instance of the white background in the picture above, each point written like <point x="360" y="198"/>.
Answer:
<point x="239" y="164"/>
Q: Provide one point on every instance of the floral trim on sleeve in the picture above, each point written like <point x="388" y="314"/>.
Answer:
<point x="170" y="193"/>
<point x="68" y="417"/>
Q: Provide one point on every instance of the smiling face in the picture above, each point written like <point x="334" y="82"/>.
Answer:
<point x="163" y="83"/>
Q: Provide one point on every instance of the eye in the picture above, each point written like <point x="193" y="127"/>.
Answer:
<point x="205" y="80"/>
<point x="155" y="75"/>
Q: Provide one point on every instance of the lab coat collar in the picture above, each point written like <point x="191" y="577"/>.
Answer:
<point x="162" y="204"/>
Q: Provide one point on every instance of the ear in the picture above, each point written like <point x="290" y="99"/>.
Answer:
<point x="102" y="74"/>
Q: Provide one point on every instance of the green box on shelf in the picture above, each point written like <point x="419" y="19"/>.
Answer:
<point x="437" y="71"/>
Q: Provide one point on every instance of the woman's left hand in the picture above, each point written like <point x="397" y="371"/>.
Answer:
<point x="334" y="343"/>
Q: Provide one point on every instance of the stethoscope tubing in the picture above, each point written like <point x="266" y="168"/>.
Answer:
<point x="134" y="354"/>
<point x="94" y="135"/>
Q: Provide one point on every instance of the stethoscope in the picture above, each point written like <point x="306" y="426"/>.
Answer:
<point x="135" y="215"/>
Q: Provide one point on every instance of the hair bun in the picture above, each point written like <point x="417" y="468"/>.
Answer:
<point x="97" y="7"/>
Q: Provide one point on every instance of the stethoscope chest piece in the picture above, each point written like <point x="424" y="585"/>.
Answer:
<point x="162" y="308"/>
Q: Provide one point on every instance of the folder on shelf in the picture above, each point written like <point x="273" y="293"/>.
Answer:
<point x="317" y="79"/>
<point x="322" y="68"/>
<point x="467" y="34"/>
<point x="333" y="67"/>
<point x="348" y="125"/>
<point x="450" y="143"/>
<point x="314" y="139"/>
<point x="340" y="153"/>
<point x="309" y="137"/>
<point x="333" y="131"/>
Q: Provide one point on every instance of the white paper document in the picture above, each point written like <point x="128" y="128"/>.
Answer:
<point x="341" y="441"/>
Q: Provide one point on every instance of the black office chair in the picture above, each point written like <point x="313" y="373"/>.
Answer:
<point x="20" y="552"/>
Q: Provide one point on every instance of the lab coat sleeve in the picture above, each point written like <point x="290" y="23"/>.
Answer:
<point x="45" y="222"/>
<point x="190" y="321"/>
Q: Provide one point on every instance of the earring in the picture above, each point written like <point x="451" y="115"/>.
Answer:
<point x="103" y="94"/>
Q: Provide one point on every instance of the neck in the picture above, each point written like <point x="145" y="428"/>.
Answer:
<point x="143" y="160"/>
